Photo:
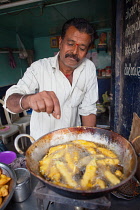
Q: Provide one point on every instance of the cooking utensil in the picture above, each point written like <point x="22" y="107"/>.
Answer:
<point x="7" y="157"/>
<point x="114" y="141"/>
<point x="136" y="144"/>
<point x="12" y="184"/>
<point x="23" y="185"/>
<point x="129" y="190"/>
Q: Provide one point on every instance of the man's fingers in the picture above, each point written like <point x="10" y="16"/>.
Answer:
<point x="38" y="104"/>
<point x="57" y="116"/>
<point x="57" y="111"/>
<point x="33" y="105"/>
<point x="46" y="101"/>
<point x="49" y="105"/>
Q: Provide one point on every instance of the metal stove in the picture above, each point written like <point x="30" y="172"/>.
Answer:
<point x="42" y="193"/>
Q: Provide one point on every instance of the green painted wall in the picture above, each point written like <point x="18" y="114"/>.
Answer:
<point x="42" y="48"/>
<point x="9" y="75"/>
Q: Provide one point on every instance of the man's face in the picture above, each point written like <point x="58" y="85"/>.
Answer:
<point x="74" y="47"/>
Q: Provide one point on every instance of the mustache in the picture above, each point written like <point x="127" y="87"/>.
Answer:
<point x="74" y="56"/>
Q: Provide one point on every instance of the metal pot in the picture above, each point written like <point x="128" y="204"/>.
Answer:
<point x="23" y="185"/>
<point x="119" y="144"/>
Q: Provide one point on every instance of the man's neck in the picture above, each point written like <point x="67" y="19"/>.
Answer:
<point x="68" y="74"/>
<point x="67" y="71"/>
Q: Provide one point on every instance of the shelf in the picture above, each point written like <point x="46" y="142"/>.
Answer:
<point x="105" y="77"/>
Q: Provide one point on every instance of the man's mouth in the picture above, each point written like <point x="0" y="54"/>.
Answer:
<point x="74" y="56"/>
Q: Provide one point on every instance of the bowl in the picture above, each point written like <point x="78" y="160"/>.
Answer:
<point x="12" y="184"/>
<point x="7" y="157"/>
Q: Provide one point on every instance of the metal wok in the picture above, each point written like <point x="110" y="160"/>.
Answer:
<point x="114" y="141"/>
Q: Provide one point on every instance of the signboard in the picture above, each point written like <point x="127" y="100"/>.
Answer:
<point x="130" y="64"/>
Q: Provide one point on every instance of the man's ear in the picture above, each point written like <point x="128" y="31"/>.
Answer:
<point x="60" y="41"/>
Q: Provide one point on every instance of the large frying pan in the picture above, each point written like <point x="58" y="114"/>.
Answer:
<point x="115" y="141"/>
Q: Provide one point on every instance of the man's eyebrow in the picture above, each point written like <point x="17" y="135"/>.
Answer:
<point x="70" y="40"/>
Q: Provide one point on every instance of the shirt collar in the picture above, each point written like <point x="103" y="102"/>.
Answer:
<point x="54" y="62"/>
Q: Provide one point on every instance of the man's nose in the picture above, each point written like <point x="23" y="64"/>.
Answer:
<point x="75" y="50"/>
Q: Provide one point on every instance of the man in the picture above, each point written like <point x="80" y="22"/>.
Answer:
<point x="60" y="90"/>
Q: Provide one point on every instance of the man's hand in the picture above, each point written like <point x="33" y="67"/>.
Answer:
<point x="45" y="101"/>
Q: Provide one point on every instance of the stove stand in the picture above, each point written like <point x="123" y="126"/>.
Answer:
<point x="42" y="192"/>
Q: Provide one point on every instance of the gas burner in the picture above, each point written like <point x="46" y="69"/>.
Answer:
<point x="42" y="192"/>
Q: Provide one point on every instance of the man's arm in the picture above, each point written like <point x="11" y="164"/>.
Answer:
<point x="45" y="101"/>
<point x="89" y="120"/>
<point x="13" y="103"/>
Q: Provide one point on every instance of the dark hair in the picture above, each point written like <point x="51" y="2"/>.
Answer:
<point x="81" y="24"/>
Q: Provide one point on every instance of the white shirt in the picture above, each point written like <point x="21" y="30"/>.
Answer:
<point x="75" y="100"/>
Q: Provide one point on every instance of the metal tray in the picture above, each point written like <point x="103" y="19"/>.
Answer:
<point x="8" y="172"/>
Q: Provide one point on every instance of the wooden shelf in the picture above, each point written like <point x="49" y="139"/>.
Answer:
<point x="105" y="77"/>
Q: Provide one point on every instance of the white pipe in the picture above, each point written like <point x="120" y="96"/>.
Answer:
<point x="18" y="3"/>
<point x="8" y="51"/>
<point x="22" y="2"/>
<point x="58" y="3"/>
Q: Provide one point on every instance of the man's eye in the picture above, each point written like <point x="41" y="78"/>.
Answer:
<point x="82" y="49"/>
<point x="70" y="44"/>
